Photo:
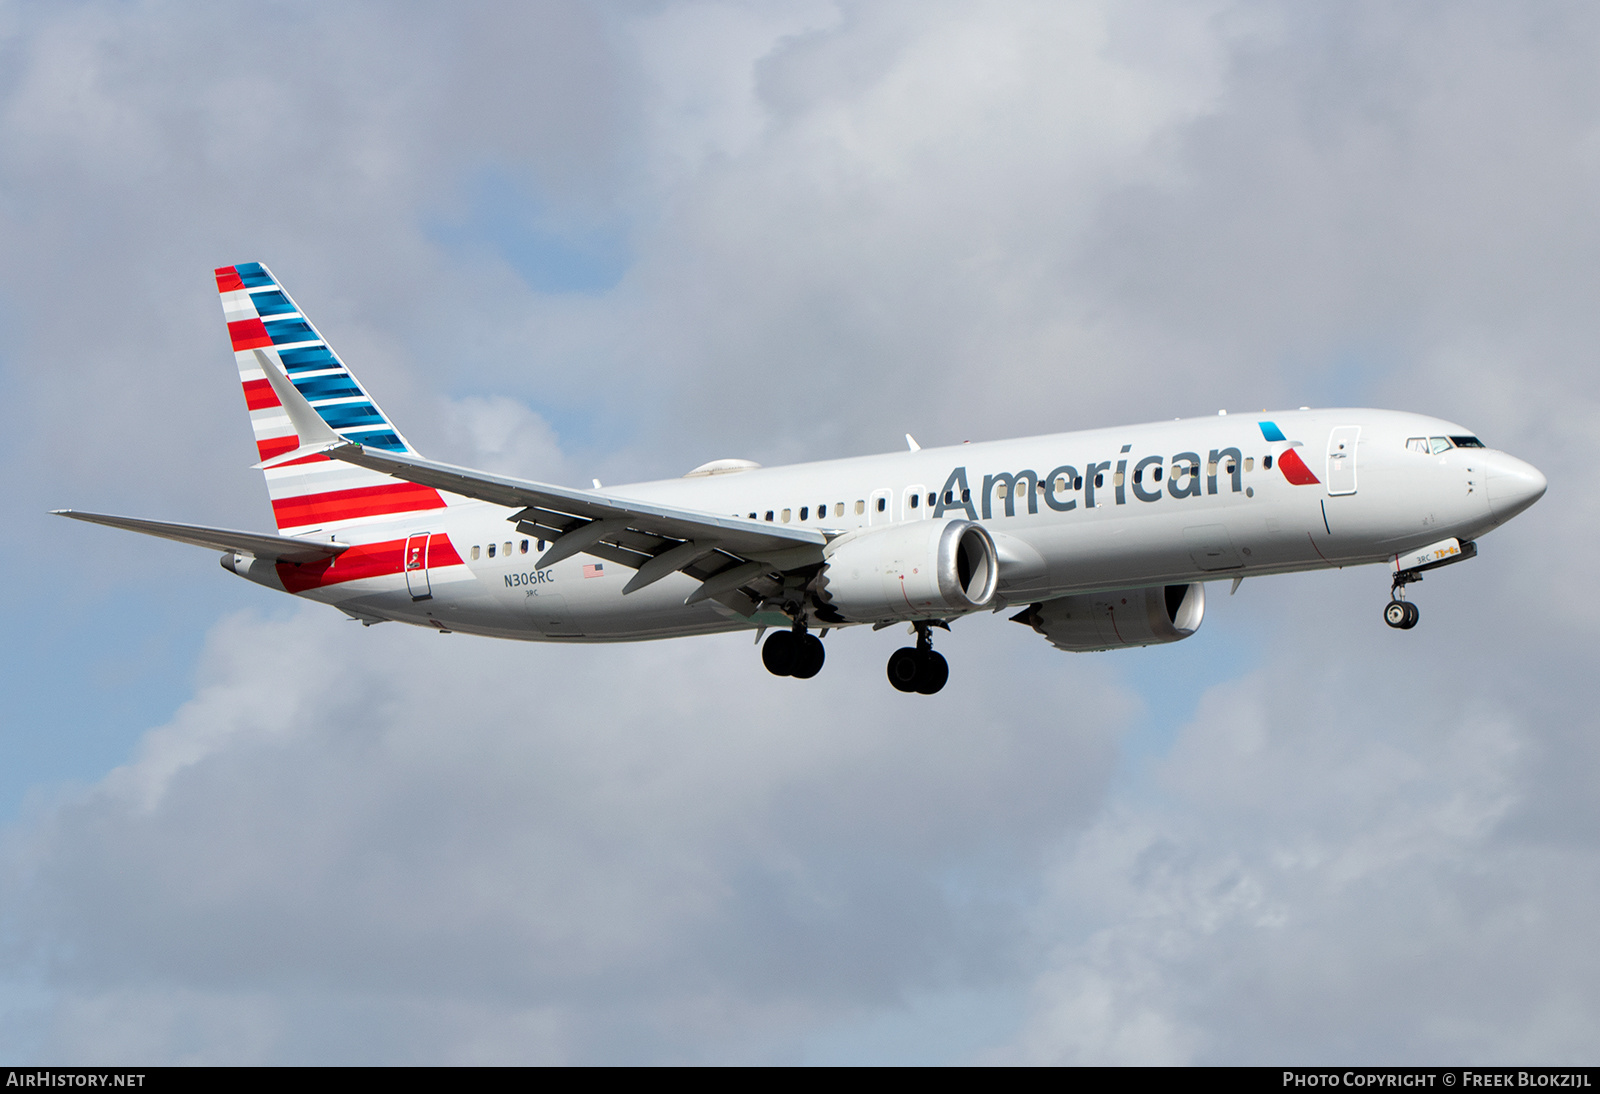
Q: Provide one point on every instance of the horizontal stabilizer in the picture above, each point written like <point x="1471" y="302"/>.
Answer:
<point x="275" y="548"/>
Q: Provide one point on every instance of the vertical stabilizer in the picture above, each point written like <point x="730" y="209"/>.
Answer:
<point x="313" y="493"/>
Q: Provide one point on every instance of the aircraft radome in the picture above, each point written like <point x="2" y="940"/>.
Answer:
<point x="1097" y="540"/>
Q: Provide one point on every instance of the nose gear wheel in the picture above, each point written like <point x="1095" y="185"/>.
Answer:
<point x="1402" y="615"/>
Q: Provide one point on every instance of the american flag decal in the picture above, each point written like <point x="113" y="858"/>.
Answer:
<point x="594" y="569"/>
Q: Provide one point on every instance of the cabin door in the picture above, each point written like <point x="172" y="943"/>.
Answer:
<point x="1342" y="459"/>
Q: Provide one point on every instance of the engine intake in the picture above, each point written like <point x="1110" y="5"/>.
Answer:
<point x="1118" y="619"/>
<point x="924" y="569"/>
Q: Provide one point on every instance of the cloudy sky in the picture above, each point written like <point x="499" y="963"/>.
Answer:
<point x="575" y="240"/>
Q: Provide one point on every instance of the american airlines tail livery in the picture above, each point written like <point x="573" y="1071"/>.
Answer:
<point x="1097" y="540"/>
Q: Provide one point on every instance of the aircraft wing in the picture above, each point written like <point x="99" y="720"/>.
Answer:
<point x="656" y="540"/>
<point x="276" y="548"/>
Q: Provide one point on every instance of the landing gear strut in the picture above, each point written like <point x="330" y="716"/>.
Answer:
<point x="917" y="668"/>
<point x="794" y="653"/>
<point x="1400" y="613"/>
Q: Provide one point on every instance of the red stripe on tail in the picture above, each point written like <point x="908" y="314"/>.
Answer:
<point x="228" y="279"/>
<point x="258" y="395"/>
<point x="366" y="501"/>
<point x="249" y="334"/>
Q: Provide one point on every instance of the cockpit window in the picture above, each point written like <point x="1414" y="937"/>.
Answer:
<point x="1440" y="444"/>
<point x="1467" y="442"/>
<point x="1417" y="444"/>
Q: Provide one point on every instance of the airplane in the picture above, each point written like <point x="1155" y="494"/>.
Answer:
<point x="1103" y="539"/>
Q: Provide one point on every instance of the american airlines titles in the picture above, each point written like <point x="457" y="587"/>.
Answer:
<point x="1188" y="477"/>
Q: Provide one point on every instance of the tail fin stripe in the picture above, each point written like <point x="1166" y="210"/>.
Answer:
<point x="307" y="359"/>
<point x="273" y="302"/>
<point x="350" y="415"/>
<point x="327" y="387"/>
<point x="258" y="395"/>
<point x="253" y="275"/>
<point x="289" y="331"/>
<point x="228" y="280"/>
<point x="248" y="334"/>
<point x="366" y="501"/>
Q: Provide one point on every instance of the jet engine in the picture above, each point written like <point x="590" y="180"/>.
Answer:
<point x="1118" y="619"/>
<point x="925" y="569"/>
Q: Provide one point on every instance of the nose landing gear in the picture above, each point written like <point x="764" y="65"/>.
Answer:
<point x="794" y="653"/>
<point x="917" y="668"/>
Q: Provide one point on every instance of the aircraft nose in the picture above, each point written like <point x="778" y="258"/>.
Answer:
<point x="1513" y="485"/>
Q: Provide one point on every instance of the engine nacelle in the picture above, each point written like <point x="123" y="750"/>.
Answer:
<point x="924" y="569"/>
<point x="1115" y="620"/>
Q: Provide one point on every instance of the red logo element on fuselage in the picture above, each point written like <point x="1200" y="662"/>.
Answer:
<point x="1293" y="467"/>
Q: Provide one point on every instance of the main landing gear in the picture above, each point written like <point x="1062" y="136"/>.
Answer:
<point x="917" y="668"/>
<point x="1400" y="613"/>
<point x="794" y="653"/>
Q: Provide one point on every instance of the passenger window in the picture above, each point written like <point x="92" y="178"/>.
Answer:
<point x="752" y="516"/>
<point x="861" y="507"/>
<point x="933" y="499"/>
<point x="838" y="509"/>
<point x="883" y="503"/>
<point x="805" y="511"/>
<point x="769" y="514"/>
<point x="966" y="497"/>
<point x="786" y="516"/>
<point x="1440" y="444"/>
<point x="541" y="546"/>
<point x="1116" y="480"/>
<point x="1417" y="444"/>
<point x="914" y="499"/>
<point x="474" y="552"/>
<point x="1138" y="476"/>
<point x="508" y="548"/>
<point x="1100" y="479"/>
<point x="1077" y="483"/>
<point x="1155" y="473"/>
<point x="524" y="546"/>
<point x="1061" y="485"/>
<point x="491" y="550"/>
<point x="1266" y="463"/>
<point x="1249" y="463"/>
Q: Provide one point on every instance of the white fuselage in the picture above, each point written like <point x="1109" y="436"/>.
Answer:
<point x="1149" y="521"/>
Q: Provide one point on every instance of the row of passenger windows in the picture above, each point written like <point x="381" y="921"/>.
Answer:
<point x="822" y="510"/>
<point x="505" y="548"/>
<point x="1435" y="445"/>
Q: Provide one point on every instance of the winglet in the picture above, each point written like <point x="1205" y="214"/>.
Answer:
<point x="911" y="444"/>
<point x="316" y="436"/>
